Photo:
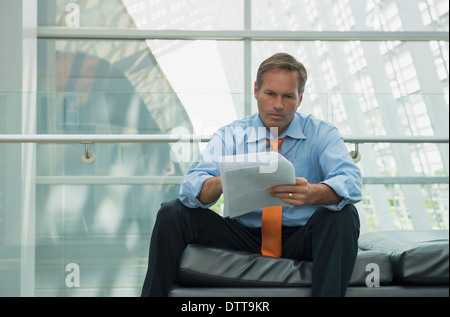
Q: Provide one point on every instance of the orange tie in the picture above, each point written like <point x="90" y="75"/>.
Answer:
<point x="271" y="221"/>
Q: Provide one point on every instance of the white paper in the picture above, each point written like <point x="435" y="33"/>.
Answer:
<point x="246" y="178"/>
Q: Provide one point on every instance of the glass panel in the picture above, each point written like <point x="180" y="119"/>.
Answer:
<point x="104" y="230"/>
<point x="371" y="88"/>
<point x="87" y="66"/>
<point x="401" y="207"/>
<point x="362" y="67"/>
<point x="107" y="87"/>
<point x="84" y="13"/>
<point x="187" y="15"/>
<point x="289" y="15"/>
<point x="203" y="77"/>
<point x="208" y="77"/>
<point x="350" y="15"/>
<point x="153" y="15"/>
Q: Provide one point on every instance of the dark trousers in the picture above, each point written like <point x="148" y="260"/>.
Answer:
<point x="329" y="239"/>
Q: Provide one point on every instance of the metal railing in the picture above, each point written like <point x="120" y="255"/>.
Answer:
<point x="88" y="156"/>
<point x="53" y="32"/>
<point x="170" y="138"/>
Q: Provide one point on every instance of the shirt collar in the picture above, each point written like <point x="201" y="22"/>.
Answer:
<point x="293" y="131"/>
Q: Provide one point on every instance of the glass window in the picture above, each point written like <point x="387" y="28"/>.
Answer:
<point x="100" y="216"/>
<point x="144" y="14"/>
<point x="349" y="15"/>
<point x="103" y="229"/>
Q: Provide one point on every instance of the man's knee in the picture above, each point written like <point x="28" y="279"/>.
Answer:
<point x="344" y="220"/>
<point x="350" y="214"/>
<point x="169" y="209"/>
<point x="349" y="222"/>
<point x="169" y="205"/>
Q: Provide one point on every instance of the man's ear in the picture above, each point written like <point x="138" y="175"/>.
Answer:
<point x="256" y="91"/>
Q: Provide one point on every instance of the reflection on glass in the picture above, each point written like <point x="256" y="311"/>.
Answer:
<point x="100" y="216"/>
<point x="349" y="15"/>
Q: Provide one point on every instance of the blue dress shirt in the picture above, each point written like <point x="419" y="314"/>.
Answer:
<point x="313" y="146"/>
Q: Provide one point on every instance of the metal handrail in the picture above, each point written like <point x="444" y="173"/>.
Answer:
<point x="102" y="138"/>
<point x="176" y="179"/>
<point x="53" y="32"/>
<point x="171" y="138"/>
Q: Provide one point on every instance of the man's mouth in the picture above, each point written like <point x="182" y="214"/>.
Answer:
<point x="276" y="116"/>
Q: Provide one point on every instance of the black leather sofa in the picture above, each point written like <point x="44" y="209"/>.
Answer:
<point x="389" y="264"/>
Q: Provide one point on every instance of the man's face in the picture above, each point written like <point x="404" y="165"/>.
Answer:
<point x="278" y="98"/>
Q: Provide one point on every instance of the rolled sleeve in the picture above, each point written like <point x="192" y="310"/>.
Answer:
<point x="208" y="167"/>
<point x="190" y="189"/>
<point x="342" y="175"/>
<point x="348" y="187"/>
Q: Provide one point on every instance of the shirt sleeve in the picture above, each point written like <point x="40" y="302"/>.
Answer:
<point x="208" y="167"/>
<point x="341" y="173"/>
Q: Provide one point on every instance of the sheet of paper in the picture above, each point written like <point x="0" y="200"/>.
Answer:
<point x="246" y="178"/>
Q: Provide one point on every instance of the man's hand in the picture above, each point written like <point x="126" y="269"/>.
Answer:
<point x="305" y="193"/>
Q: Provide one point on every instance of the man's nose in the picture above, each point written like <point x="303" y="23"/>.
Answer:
<point x="278" y="105"/>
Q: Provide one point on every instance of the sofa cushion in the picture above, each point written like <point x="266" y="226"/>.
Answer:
<point x="417" y="256"/>
<point x="207" y="266"/>
<point x="364" y="268"/>
<point x="214" y="267"/>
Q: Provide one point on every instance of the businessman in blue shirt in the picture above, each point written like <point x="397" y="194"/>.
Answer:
<point x="322" y="224"/>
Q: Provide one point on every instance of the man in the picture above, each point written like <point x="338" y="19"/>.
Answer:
<point x="321" y="226"/>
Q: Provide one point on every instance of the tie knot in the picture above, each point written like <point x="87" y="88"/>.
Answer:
<point x="275" y="144"/>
